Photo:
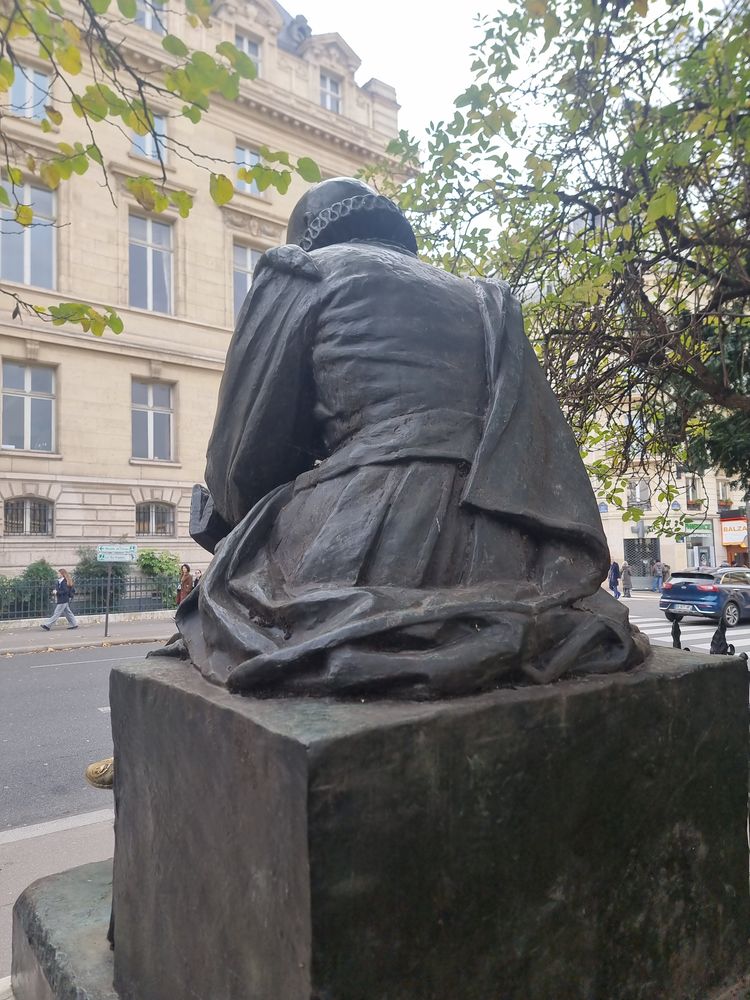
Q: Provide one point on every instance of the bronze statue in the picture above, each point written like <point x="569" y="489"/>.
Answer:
<point x="403" y="507"/>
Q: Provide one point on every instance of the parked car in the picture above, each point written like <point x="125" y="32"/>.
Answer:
<point x="708" y="593"/>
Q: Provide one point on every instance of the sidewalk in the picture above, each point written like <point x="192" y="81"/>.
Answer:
<point x="89" y="634"/>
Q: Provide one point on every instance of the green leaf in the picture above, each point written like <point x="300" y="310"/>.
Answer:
<point x="128" y="8"/>
<point x="94" y="153"/>
<point x="69" y="60"/>
<point x="192" y="112"/>
<point x="114" y="322"/>
<point x="54" y="115"/>
<point x="182" y="201"/>
<point x="100" y="6"/>
<point x="15" y="175"/>
<point x="24" y="215"/>
<point x="50" y="175"/>
<point x="4" y="196"/>
<point x="221" y="188"/>
<point x="174" y="46"/>
<point x="308" y="170"/>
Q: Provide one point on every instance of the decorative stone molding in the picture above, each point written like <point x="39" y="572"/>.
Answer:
<point x="253" y="225"/>
<point x="156" y="494"/>
<point x="9" y="489"/>
<point x="155" y="368"/>
<point x="254" y="12"/>
<point x="32" y="350"/>
<point x="331" y="49"/>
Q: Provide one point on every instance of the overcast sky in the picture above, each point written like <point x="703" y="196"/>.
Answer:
<point x="421" y="47"/>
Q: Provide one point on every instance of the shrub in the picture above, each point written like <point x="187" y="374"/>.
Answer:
<point x="153" y="563"/>
<point x="39" y="572"/>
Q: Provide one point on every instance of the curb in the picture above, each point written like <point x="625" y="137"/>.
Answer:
<point x="85" y="644"/>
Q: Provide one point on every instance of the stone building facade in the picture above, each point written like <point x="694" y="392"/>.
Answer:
<point x="715" y="524"/>
<point x="103" y="438"/>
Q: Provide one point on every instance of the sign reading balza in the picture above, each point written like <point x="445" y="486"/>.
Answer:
<point x="116" y="553"/>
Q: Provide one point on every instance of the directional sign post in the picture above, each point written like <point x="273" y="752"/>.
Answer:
<point x="113" y="554"/>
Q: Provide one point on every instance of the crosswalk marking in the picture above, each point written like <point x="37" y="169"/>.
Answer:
<point x="695" y="634"/>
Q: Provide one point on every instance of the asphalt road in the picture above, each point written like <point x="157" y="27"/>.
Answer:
<point x="54" y="720"/>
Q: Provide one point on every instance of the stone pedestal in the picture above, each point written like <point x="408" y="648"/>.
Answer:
<point x="581" y="841"/>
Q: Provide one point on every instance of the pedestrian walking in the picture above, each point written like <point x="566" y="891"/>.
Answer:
<point x="186" y="583"/>
<point x="197" y="578"/>
<point x="666" y="572"/>
<point x="656" y="582"/>
<point x="627" y="580"/>
<point x="64" y="593"/>
<point x="614" y="579"/>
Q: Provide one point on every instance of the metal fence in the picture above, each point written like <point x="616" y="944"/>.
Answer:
<point x="19" y="599"/>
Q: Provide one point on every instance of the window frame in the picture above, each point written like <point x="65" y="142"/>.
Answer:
<point x="254" y="255"/>
<point x="246" y="187"/>
<point x="28" y="74"/>
<point x="243" y="41"/>
<point x="24" y="194"/>
<point x="149" y="143"/>
<point x="28" y="394"/>
<point x="147" y="18"/>
<point x="150" y="409"/>
<point x="151" y="248"/>
<point x="26" y="502"/>
<point x="152" y="506"/>
<point x="328" y="94"/>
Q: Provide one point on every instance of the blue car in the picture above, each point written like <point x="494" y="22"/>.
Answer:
<point x="712" y="593"/>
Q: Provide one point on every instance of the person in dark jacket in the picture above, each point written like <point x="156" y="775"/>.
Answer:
<point x="64" y="593"/>
<point x="614" y="579"/>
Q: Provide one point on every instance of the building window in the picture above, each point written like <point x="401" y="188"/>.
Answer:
<point x="27" y="253"/>
<point x="245" y="259"/>
<point x="28" y="407"/>
<point x="150" y="260"/>
<point x="247" y="158"/>
<point x="639" y="494"/>
<point x="151" y="144"/>
<point x="149" y="17"/>
<point x="151" y="420"/>
<point x="693" y="494"/>
<point x="29" y="92"/>
<point x="724" y="494"/>
<point x="154" y="519"/>
<point x="330" y="93"/>
<point x="250" y="47"/>
<point x="28" y="516"/>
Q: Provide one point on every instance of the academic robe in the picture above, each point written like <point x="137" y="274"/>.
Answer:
<point x="409" y="512"/>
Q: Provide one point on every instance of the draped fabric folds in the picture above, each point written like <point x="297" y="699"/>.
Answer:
<point x="410" y="515"/>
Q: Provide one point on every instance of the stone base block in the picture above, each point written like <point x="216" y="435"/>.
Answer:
<point x="60" y="951"/>
<point x="581" y="841"/>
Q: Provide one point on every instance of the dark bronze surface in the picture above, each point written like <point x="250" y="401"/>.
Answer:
<point x="407" y="511"/>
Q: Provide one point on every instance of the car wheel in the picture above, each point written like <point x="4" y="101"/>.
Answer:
<point x="672" y="617"/>
<point x="731" y="614"/>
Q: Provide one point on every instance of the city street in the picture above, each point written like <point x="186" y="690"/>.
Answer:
<point x="54" y="720"/>
<point x="696" y="634"/>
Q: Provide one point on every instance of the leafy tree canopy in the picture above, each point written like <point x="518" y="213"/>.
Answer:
<point x="600" y="163"/>
<point x="90" y="52"/>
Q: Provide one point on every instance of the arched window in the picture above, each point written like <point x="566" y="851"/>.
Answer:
<point x="154" y="519"/>
<point x="28" y="516"/>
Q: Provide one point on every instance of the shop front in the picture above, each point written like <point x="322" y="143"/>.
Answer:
<point x="699" y="544"/>
<point x="734" y="539"/>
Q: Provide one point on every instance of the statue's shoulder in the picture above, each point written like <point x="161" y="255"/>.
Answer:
<point x="289" y="259"/>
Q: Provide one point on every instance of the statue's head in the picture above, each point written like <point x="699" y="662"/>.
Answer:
<point x="343" y="209"/>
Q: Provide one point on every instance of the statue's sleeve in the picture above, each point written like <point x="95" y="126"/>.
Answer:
<point x="527" y="467"/>
<point x="264" y="434"/>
